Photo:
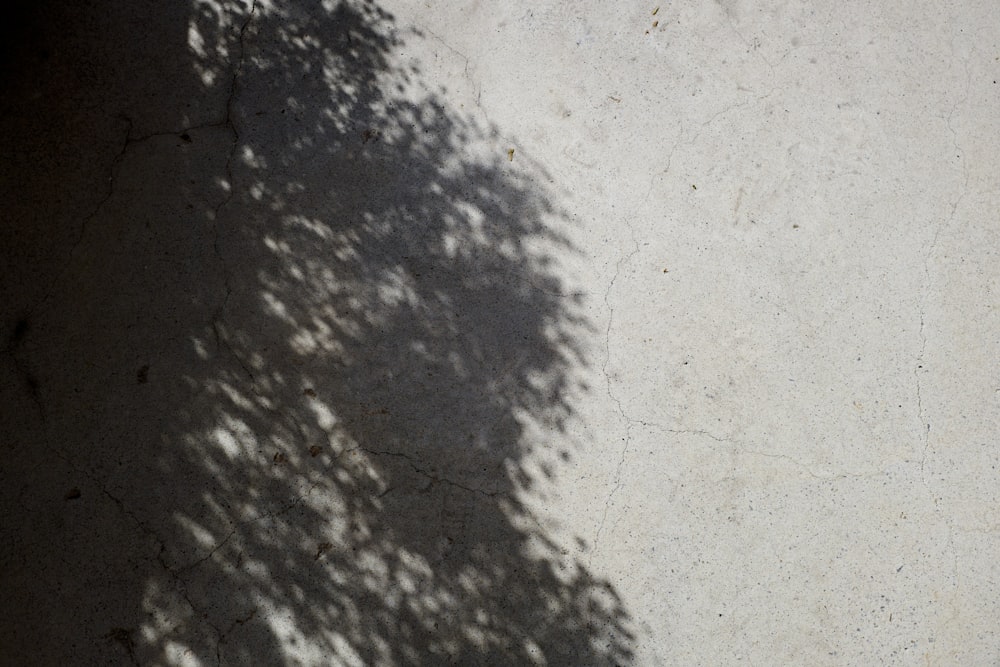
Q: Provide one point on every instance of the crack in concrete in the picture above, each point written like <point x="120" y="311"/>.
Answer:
<point x="115" y="164"/>
<point x="687" y="431"/>
<point x="629" y="421"/>
<point x="103" y="489"/>
<point x="139" y="523"/>
<point x="181" y="587"/>
<point x="754" y="46"/>
<point x="921" y="417"/>
<point x="753" y="99"/>
<point x="224" y="635"/>
<point x="190" y="566"/>
<point x="808" y="470"/>
<point x="928" y="257"/>
<point x="116" y="161"/>
<point x="228" y="123"/>
<point x="738" y="449"/>
<point x="175" y="574"/>
<point x="434" y="479"/>
<point x="618" y="484"/>
<point x="172" y="574"/>
<point x="607" y="360"/>
<point x="478" y="89"/>
<point x="129" y="141"/>
<point x="465" y="72"/>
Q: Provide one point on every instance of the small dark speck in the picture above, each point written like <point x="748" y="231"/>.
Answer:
<point x="899" y="568"/>
<point x="795" y="226"/>
<point x="310" y="392"/>
<point x="694" y="187"/>
<point x="186" y="137"/>
<point x="72" y="494"/>
<point x="142" y="375"/>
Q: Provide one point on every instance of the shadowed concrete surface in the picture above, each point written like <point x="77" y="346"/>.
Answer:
<point x="399" y="333"/>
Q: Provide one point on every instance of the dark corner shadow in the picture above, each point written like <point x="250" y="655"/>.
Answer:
<point x="282" y="341"/>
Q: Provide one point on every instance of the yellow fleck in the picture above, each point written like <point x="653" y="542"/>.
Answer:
<point x="656" y="10"/>
<point x="510" y="154"/>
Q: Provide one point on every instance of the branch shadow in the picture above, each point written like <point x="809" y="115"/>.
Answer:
<point x="282" y="393"/>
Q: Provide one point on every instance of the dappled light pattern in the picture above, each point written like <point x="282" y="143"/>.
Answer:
<point x="362" y="344"/>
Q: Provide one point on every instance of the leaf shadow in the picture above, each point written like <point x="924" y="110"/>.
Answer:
<point x="347" y="348"/>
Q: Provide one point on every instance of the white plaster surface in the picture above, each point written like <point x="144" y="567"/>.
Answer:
<point x="559" y="333"/>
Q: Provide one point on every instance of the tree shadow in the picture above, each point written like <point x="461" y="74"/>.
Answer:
<point x="282" y="391"/>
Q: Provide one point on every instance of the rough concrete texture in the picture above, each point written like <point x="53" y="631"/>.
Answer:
<point x="560" y="333"/>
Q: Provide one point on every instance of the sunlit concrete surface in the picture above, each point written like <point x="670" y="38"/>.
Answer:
<point x="489" y="333"/>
